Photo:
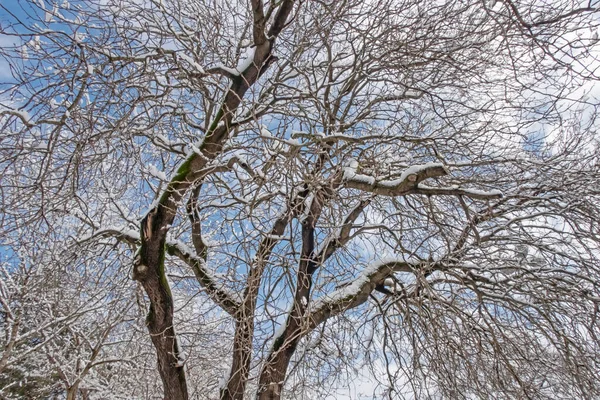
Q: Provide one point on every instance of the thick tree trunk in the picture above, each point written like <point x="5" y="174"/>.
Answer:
<point x="149" y="265"/>
<point x="273" y="374"/>
<point x="160" y="326"/>
<point x="149" y="269"/>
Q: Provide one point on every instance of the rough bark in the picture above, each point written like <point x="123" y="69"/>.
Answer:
<point x="149" y="265"/>
<point x="150" y="271"/>
<point x="72" y="392"/>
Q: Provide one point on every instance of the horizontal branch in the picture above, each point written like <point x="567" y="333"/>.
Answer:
<point x="457" y="191"/>
<point x="406" y="183"/>
<point x="357" y="292"/>
<point x="20" y="114"/>
<point x="409" y="182"/>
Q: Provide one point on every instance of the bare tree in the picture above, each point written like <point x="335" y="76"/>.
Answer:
<point x="61" y="328"/>
<point x="306" y="188"/>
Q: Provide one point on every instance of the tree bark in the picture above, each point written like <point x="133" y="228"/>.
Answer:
<point x="242" y="345"/>
<point x="72" y="391"/>
<point x="149" y="269"/>
<point x="160" y="326"/>
<point x="149" y="266"/>
<point x="240" y="368"/>
<point x="272" y="376"/>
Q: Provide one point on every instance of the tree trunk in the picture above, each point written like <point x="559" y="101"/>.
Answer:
<point x="274" y="371"/>
<point x="149" y="266"/>
<point x="242" y="351"/>
<point x="149" y="269"/>
<point x="273" y="374"/>
<point x="72" y="391"/>
<point x="160" y="326"/>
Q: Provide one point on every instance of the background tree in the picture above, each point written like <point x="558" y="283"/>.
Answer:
<point x="304" y="189"/>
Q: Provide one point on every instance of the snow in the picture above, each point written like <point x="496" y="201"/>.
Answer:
<point x="182" y="247"/>
<point x="264" y="132"/>
<point x="354" y="288"/>
<point x="415" y="169"/>
<point x="412" y="170"/>
<point x="276" y="237"/>
<point x="167" y="142"/>
<point x="155" y="172"/>
<point x="210" y="275"/>
<point x="493" y="192"/>
<point x="334" y="235"/>
<point x="192" y="62"/>
<point x="195" y="149"/>
<point x="369" y="180"/>
<point x="474" y="192"/>
<point x="279" y="331"/>
<point x="293" y="142"/>
<point x="358" y="284"/>
<point x="278" y="143"/>
<point x="307" y="205"/>
<point x="223" y="381"/>
<point x="350" y="174"/>
<point x="230" y="71"/>
<point x="246" y="59"/>
<point x="21" y="114"/>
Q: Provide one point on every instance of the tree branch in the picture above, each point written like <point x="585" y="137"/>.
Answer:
<point x="409" y="182"/>
<point x="356" y="293"/>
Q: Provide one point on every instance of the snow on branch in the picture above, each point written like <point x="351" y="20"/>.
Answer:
<point x="192" y="62"/>
<point x="358" y="291"/>
<point x="410" y="182"/>
<point x="246" y="59"/>
<point x="457" y="191"/>
<point x="341" y="235"/>
<point x="228" y="300"/>
<point x="20" y="114"/>
<point x="407" y="181"/>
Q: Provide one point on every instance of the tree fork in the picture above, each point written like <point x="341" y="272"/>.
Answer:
<point x="149" y="270"/>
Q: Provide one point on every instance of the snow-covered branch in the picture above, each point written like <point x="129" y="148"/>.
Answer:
<point x="406" y="183"/>
<point x="458" y="191"/>
<point x="228" y="300"/>
<point x="357" y="292"/>
<point x="410" y="182"/>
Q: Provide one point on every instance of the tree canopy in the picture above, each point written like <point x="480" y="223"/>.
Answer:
<point x="287" y="199"/>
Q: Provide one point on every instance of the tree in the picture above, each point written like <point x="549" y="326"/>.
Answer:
<point x="64" y="319"/>
<point x="325" y="185"/>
